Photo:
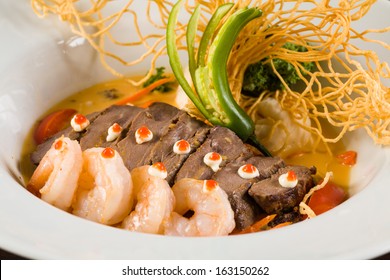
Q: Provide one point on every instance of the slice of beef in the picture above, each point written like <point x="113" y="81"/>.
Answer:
<point x="292" y="217"/>
<point x="246" y="210"/>
<point x="187" y="128"/>
<point x="273" y="198"/>
<point x="96" y="133"/>
<point x="41" y="149"/>
<point x="157" y="118"/>
<point x="220" y="140"/>
<point x="267" y="166"/>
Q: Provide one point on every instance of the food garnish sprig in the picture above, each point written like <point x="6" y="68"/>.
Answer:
<point x="212" y="95"/>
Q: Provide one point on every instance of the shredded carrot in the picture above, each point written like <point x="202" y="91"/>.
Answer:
<point x="146" y="104"/>
<point x="282" y="225"/>
<point x="144" y="91"/>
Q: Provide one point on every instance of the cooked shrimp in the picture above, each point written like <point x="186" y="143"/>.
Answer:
<point x="155" y="202"/>
<point x="212" y="213"/>
<point x="105" y="187"/>
<point x="56" y="176"/>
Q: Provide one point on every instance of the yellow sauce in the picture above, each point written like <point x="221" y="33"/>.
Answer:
<point x="97" y="98"/>
<point x="103" y="95"/>
<point x="325" y="163"/>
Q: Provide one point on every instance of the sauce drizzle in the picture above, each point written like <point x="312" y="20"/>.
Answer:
<point x="79" y="122"/>
<point x="58" y="145"/>
<point x="288" y="180"/>
<point x="209" y="185"/>
<point x="158" y="170"/>
<point x="248" y="171"/>
<point x="213" y="160"/>
<point x="181" y="147"/>
<point x="108" y="153"/>
<point x="143" y="134"/>
<point x="113" y="132"/>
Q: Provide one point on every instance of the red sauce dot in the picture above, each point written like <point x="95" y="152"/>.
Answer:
<point x="291" y="176"/>
<point x="215" y="156"/>
<point x="182" y="145"/>
<point x="211" y="184"/>
<point x="249" y="168"/>
<point x="116" y="128"/>
<point x="108" y="153"/>
<point x="159" y="166"/>
<point x="80" y="119"/>
<point x="143" y="132"/>
<point x="58" y="144"/>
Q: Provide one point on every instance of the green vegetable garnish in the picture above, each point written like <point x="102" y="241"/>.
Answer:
<point x="158" y="76"/>
<point x="260" y="76"/>
<point x="212" y="95"/>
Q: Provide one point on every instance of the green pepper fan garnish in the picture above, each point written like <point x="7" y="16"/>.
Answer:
<point x="212" y="95"/>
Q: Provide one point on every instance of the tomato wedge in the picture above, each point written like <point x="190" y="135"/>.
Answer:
<point x="53" y="123"/>
<point x="327" y="198"/>
<point x="348" y="158"/>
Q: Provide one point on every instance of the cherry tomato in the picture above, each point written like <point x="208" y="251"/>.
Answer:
<point x="327" y="198"/>
<point x="53" y="123"/>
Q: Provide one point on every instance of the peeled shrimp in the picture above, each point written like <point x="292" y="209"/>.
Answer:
<point x="212" y="213"/>
<point x="105" y="187"/>
<point x="154" y="202"/>
<point x="56" y="176"/>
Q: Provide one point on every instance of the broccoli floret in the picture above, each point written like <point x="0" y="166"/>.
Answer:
<point x="158" y="76"/>
<point x="260" y="76"/>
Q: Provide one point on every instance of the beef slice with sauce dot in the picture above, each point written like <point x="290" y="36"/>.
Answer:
<point x="96" y="134"/>
<point x="246" y="210"/>
<point x="42" y="148"/>
<point x="186" y="128"/>
<point x="220" y="140"/>
<point x="273" y="198"/>
<point x="157" y="118"/>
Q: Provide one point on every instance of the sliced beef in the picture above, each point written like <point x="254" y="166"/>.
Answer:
<point x="220" y="140"/>
<point x="96" y="133"/>
<point x="41" y="149"/>
<point x="235" y="154"/>
<point x="273" y="198"/>
<point x="187" y="128"/>
<point x="246" y="210"/>
<point x="158" y="118"/>
<point x="248" y="198"/>
<point x="291" y="217"/>
<point x="267" y="166"/>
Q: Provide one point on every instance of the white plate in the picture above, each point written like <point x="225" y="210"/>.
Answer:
<point x="41" y="62"/>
